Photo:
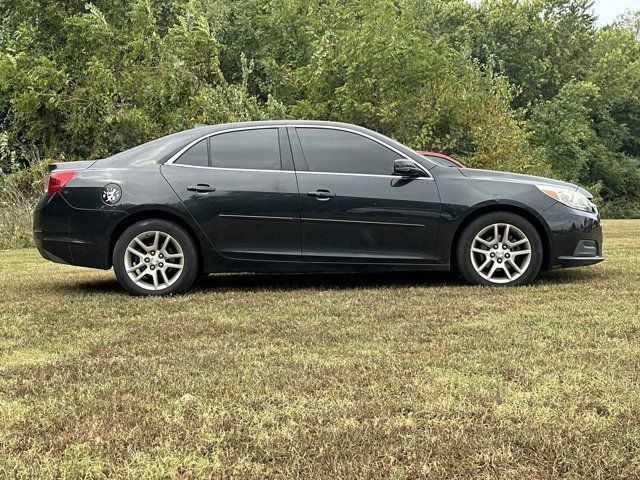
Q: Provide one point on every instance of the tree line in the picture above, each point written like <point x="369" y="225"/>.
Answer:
<point x="531" y="86"/>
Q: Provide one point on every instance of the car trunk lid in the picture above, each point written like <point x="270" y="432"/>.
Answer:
<point x="79" y="165"/>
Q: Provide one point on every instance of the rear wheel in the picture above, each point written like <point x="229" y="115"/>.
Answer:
<point x="155" y="257"/>
<point x="499" y="248"/>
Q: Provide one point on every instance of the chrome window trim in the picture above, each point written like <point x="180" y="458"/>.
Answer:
<point x="303" y="172"/>
<point x="306" y="172"/>
<point x="232" y="169"/>
<point x="178" y="154"/>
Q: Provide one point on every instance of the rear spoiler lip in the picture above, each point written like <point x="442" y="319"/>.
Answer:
<point x="80" y="165"/>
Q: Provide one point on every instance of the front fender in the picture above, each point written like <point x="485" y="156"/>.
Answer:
<point x="465" y="198"/>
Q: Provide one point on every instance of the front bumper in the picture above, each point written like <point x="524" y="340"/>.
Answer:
<point x="576" y="237"/>
<point x="73" y="236"/>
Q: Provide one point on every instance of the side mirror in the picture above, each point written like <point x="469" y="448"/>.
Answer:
<point x="407" y="168"/>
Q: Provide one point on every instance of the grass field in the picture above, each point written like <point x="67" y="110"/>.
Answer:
<point x="318" y="376"/>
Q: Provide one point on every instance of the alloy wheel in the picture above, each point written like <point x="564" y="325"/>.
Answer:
<point x="500" y="253"/>
<point x="154" y="260"/>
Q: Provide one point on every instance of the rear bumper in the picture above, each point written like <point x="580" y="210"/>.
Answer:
<point x="47" y="248"/>
<point x="576" y="237"/>
<point x="73" y="236"/>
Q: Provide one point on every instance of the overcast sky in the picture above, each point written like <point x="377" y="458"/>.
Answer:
<point x="608" y="10"/>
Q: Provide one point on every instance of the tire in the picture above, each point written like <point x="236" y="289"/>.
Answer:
<point x="509" y="261"/>
<point x="164" y="253"/>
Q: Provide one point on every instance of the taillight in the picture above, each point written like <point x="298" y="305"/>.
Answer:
<point x="57" y="180"/>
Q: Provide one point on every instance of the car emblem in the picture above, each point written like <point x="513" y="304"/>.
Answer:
<point x="111" y="194"/>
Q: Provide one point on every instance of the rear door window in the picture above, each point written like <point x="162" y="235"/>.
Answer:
<point x="257" y="149"/>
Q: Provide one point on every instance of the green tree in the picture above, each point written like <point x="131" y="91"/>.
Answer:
<point x="527" y="86"/>
<point x="357" y="62"/>
<point x="112" y="82"/>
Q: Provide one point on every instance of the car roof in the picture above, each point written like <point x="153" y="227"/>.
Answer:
<point x="160" y="150"/>
<point x="281" y="123"/>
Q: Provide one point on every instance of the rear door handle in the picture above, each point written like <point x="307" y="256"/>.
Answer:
<point x="321" y="194"/>
<point x="201" y="188"/>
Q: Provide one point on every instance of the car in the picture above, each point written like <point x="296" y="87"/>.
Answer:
<point x="442" y="159"/>
<point x="305" y="196"/>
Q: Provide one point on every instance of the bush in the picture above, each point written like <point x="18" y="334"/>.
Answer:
<point x="19" y="192"/>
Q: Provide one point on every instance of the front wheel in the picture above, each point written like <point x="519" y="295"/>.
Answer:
<point x="155" y="257"/>
<point x="499" y="248"/>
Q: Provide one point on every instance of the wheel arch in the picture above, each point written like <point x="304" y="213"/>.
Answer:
<point x="538" y="224"/>
<point x="149" y="214"/>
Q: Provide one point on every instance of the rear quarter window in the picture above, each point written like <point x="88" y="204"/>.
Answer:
<point x="197" y="155"/>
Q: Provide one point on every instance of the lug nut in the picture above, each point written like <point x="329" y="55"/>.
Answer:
<point x="152" y="252"/>
<point x="495" y="246"/>
<point x="146" y="259"/>
<point x="493" y="255"/>
<point x="161" y="264"/>
<point x="161" y="256"/>
<point x="507" y="255"/>
<point x="499" y="261"/>
<point x="152" y="267"/>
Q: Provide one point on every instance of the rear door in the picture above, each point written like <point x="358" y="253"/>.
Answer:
<point x="353" y="208"/>
<point x="240" y="187"/>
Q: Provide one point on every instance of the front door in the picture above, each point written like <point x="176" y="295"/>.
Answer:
<point x="241" y="189"/>
<point x="353" y="209"/>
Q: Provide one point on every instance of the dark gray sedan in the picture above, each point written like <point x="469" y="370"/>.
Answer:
<point x="302" y="196"/>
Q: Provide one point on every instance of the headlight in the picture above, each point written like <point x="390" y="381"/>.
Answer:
<point x="570" y="198"/>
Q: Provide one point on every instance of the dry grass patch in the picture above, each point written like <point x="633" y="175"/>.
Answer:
<point x="317" y="376"/>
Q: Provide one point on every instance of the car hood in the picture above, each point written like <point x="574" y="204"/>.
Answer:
<point x="520" y="178"/>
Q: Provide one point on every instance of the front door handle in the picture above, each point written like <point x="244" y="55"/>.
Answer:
<point x="321" y="194"/>
<point x="201" y="188"/>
